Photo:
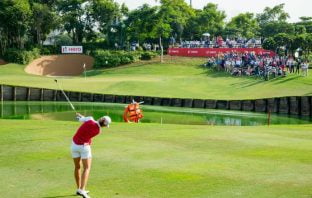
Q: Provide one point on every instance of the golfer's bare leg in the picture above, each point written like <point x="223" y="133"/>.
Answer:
<point x="77" y="171"/>
<point x="86" y="163"/>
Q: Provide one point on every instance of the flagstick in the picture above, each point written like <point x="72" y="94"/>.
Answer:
<point x="85" y="73"/>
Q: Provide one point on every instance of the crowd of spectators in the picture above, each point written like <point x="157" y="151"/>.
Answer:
<point x="249" y="64"/>
<point x="145" y="46"/>
<point x="218" y="42"/>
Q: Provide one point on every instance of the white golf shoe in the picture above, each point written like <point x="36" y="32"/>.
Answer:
<point x="83" y="193"/>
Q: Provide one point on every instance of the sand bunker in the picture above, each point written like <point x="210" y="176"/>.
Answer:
<point x="60" y="65"/>
<point x="2" y="62"/>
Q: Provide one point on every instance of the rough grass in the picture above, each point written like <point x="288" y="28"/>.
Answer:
<point x="158" y="161"/>
<point x="177" y="77"/>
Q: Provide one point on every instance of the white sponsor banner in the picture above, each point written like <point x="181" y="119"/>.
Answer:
<point x="72" y="50"/>
<point x="192" y="52"/>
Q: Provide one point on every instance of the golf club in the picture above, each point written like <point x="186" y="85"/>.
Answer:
<point x="60" y="88"/>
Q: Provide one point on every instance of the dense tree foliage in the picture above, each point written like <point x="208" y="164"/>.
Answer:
<point x="243" y="25"/>
<point x="209" y="20"/>
<point x="39" y="28"/>
<point x="174" y="13"/>
<point x="26" y="24"/>
<point x="140" y="23"/>
<point x="306" y="22"/>
<point x="15" y="18"/>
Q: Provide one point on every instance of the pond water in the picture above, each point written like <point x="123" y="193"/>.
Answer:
<point x="152" y="114"/>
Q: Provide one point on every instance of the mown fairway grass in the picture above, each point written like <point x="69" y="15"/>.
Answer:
<point x="158" y="161"/>
<point x="177" y="77"/>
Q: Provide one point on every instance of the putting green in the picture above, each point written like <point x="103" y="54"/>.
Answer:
<point x="152" y="160"/>
<point x="177" y="78"/>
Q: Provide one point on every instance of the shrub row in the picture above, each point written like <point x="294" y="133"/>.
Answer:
<point x="21" y="56"/>
<point x="106" y="58"/>
<point x="148" y="55"/>
<point x="50" y="49"/>
<point x="103" y="58"/>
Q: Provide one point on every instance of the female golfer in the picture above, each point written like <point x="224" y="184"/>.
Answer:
<point x="81" y="150"/>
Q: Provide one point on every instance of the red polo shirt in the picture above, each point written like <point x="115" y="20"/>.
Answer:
<point x="86" y="131"/>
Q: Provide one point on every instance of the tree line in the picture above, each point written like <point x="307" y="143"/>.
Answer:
<point x="25" y="24"/>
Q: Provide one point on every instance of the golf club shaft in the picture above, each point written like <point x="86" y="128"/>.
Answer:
<point x="72" y="106"/>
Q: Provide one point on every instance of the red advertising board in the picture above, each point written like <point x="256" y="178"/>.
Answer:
<point x="209" y="52"/>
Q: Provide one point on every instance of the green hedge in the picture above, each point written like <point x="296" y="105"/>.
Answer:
<point x="103" y="58"/>
<point x="21" y="56"/>
<point x="50" y="50"/>
<point x="148" y="55"/>
<point x="106" y="58"/>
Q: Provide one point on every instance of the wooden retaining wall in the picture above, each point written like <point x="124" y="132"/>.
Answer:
<point x="293" y="105"/>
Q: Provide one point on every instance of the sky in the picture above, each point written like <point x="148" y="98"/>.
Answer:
<point x="295" y="8"/>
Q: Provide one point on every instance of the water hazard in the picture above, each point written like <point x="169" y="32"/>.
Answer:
<point x="152" y="114"/>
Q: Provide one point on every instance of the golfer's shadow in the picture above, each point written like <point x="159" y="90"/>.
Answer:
<point x="72" y="195"/>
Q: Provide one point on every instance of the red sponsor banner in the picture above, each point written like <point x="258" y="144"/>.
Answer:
<point x="209" y="52"/>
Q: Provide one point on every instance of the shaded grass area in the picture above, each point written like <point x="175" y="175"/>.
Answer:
<point x="153" y="160"/>
<point x="178" y="77"/>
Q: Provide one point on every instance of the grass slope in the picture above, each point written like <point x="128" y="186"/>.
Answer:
<point x="158" y="161"/>
<point x="177" y="77"/>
